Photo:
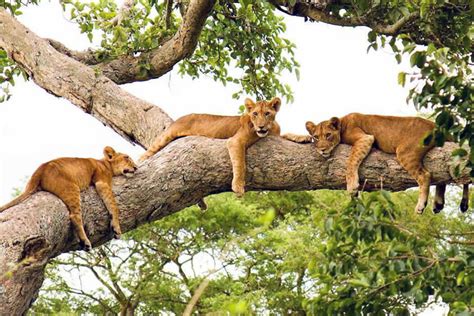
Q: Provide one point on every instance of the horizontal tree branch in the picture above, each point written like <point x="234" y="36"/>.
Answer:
<point x="178" y="176"/>
<point x="313" y="11"/>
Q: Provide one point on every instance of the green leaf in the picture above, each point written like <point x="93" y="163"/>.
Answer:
<point x="401" y="78"/>
<point x="461" y="152"/>
<point x="358" y="283"/>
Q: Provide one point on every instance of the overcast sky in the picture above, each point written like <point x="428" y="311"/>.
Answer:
<point x="338" y="76"/>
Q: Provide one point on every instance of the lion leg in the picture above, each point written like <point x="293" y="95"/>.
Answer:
<point x="63" y="187"/>
<point x="438" y="203"/>
<point x="71" y="196"/>
<point x="411" y="161"/>
<point x="360" y="149"/>
<point x="237" y="151"/>
<point x="465" y="198"/>
<point x="302" y="139"/>
<point x="160" y="142"/>
<point x="237" y="146"/>
<point x="105" y="192"/>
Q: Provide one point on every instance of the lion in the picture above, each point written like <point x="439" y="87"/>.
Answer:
<point x="402" y="136"/>
<point x="67" y="177"/>
<point x="241" y="132"/>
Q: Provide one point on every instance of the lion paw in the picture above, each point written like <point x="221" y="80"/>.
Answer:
<point x="420" y="207"/>
<point x="85" y="245"/>
<point x="238" y="188"/>
<point x="117" y="231"/>
<point x="143" y="158"/>
<point x="353" y="188"/>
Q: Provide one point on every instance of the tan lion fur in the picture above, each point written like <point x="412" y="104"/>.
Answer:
<point x="402" y="136"/>
<point x="67" y="177"/>
<point x="241" y="132"/>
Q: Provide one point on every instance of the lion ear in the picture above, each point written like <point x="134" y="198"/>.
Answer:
<point x="109" y="153"/>
<point x="276" y="103"/>
<point x="310" y="127"/>
<point x="249" y="104"/>
<point x="335" y="123"/>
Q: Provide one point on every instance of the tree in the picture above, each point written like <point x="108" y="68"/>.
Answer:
<point x="145" y="40"/>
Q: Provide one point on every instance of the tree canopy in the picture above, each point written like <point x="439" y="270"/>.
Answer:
<point x="288" y="253"/>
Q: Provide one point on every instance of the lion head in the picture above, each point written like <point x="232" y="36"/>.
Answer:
<point x="121" y="164"/>
<point x="326" y="135"/>
<point x="262" y="114"/>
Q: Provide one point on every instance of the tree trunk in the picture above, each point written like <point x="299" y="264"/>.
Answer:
<point x="127" y="310"/>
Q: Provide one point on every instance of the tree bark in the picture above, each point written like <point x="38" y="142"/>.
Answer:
<point x="180" y="175"/>
<point x="134" y="119"/>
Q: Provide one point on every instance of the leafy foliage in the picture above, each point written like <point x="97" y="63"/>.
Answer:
<point x="316" y="253"/>
<point x="378" y="258"/>
<point x="144" y="28"/>
<point x="8" y="71"/>
<point x="242" y="43"/>
<point x="234" y="38"/>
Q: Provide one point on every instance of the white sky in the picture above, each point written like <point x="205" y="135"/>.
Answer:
<point x="337" y="77"/>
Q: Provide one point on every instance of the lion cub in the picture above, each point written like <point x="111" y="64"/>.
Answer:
<point x="402" y="136"/>
<point x="66" y="177"/>
<point x="241" y="131"/>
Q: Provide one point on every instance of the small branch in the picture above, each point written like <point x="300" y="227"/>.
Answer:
<point x="411" y="275"/>
<point x="197" y="294"/>
<point x="88" y="57"/>
<point x="169" y="10"/>
<point x="395" y="28"/>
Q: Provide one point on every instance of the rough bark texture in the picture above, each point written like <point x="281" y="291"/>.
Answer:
<point x="136" y="120"/>
<point x="319" y="11"/>
<point x="178" y="176"/>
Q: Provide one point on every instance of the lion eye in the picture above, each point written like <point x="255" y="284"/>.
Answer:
<point x="328" y="136"/>
<point x="254" y="113"/>
<point x="267" y="113"/>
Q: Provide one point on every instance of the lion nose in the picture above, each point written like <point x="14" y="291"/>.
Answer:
<point x="261" y="126"/>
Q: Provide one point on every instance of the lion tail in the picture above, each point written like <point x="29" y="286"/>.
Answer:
<point x="32" y="187"/>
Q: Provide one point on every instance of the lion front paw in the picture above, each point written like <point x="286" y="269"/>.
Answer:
<point x="353" y="187"/>
<point x="238" y="187"/>
<point x="117" y="231"/>
<point x="85" y="245"/>
<point x="143" y="157"/>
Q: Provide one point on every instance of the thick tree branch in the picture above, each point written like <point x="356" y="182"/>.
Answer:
<point x="128" y="68"/>
<point x="314" y="12"/>
<point x="178" y="176"/>
<point x="136" y="120"/>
